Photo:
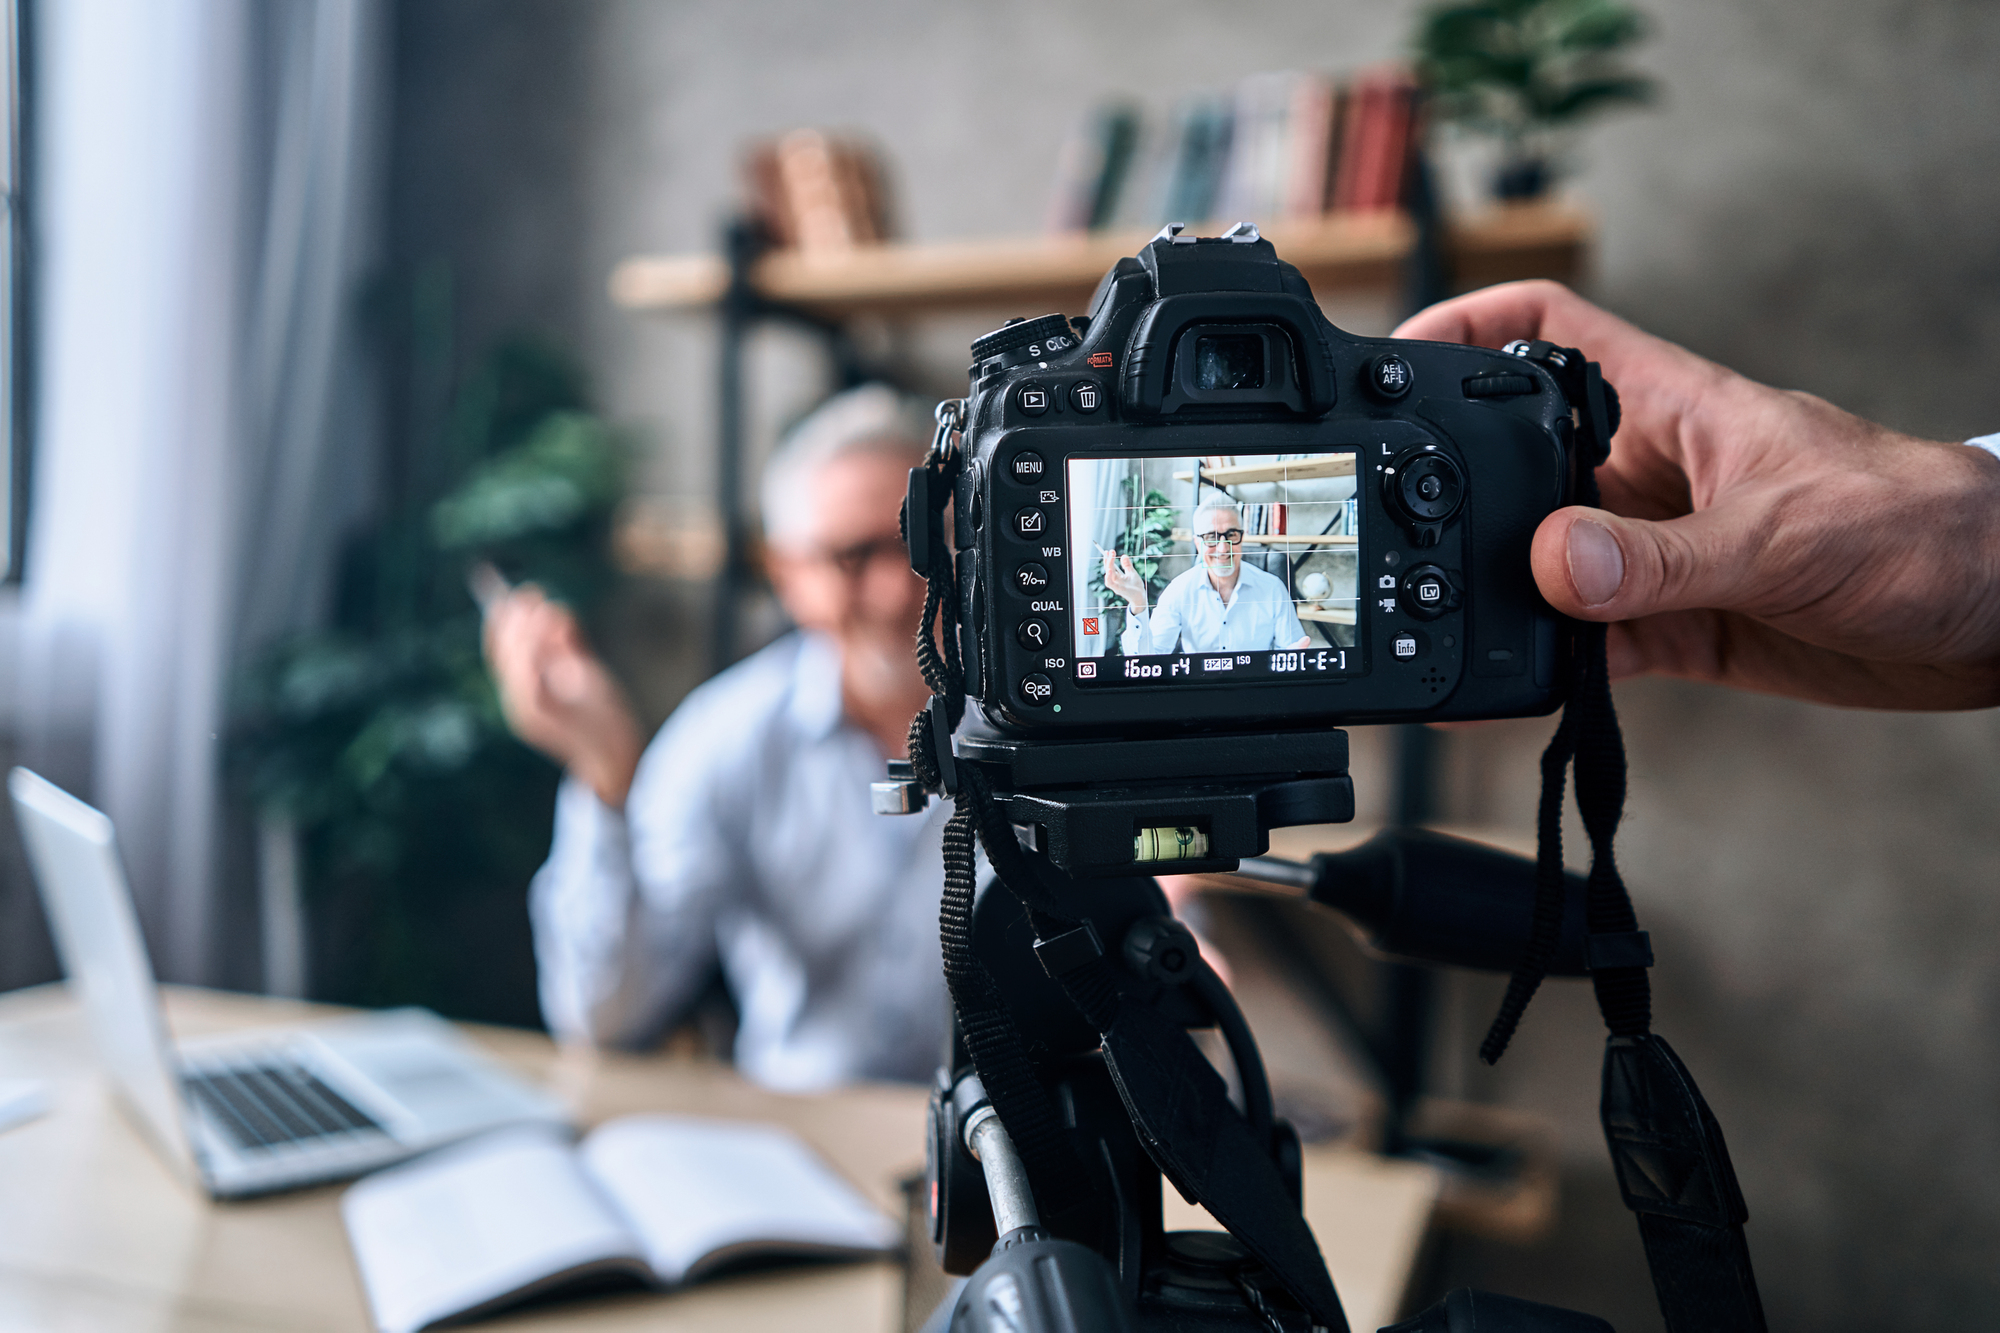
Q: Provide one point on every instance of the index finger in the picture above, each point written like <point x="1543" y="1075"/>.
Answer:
<point x="1495" y="316"/>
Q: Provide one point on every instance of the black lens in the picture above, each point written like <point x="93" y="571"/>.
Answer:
<point x="1232" y="361"/>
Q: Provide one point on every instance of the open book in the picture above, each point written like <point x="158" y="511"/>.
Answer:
<point x="662" y="1198"/>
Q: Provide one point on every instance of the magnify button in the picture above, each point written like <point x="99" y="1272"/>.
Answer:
<point x="1033" y="634"/>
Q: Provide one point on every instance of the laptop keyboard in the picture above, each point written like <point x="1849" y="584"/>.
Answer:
<point x="274" y="1103"/>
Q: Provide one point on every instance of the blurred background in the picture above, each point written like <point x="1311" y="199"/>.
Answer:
<point x="312" y="306"/>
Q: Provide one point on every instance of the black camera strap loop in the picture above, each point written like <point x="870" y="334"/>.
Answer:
<point x="1666" y="1148"/>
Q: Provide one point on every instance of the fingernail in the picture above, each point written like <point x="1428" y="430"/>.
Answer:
<point x="1596" y="564"/>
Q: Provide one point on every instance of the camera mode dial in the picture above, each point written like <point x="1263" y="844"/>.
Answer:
<point x="1036" y="339"/>
<point x="1426" y="489"/>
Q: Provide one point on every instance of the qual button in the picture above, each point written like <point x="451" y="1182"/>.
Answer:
<point x="1033" y="634"/>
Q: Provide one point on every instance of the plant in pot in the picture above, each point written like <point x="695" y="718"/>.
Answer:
<point x="1526" y="73"/>
<point x="378" y="741"/>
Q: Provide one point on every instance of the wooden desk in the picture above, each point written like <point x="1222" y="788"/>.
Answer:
<point x="95" y="1233"/>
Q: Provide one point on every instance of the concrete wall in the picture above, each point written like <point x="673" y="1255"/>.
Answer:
<point x="1812" y="202"/>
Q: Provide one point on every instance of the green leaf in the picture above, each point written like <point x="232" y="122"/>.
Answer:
<point x="1584" y="98"/>
<point x="567" y="470"/>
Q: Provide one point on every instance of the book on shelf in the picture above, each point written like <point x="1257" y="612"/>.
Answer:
<point x="650" y="1199"/>
<point x="1092" y="169"/>
<point x="1291" y="146"/>
<point x="816" y="191"/>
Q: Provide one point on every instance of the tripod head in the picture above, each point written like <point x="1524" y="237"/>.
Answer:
<point x="1104" y="985"/>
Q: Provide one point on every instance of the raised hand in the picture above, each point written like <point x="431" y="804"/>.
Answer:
<point x="557" y="695"/>
<point x="1122" y="578"/>
<point x="1759" y="537"/>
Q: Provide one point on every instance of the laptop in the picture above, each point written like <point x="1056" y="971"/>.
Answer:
<point x="252" y="1112"/>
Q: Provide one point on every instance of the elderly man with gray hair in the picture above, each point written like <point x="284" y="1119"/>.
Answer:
<point x="1220" y="605"/>
<point x="741" y="837"/>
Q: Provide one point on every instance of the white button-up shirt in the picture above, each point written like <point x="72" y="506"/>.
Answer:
<point x="747" y="840"/>
<point x="1191" y="613"/>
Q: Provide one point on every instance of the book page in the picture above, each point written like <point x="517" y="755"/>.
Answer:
<point x="701" y="1192"/>
<point x="480" y="1224"/>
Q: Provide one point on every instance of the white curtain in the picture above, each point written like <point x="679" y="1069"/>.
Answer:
<point x="205" y="221"/>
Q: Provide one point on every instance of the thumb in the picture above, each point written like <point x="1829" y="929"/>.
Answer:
<point x="1598" y="566"/>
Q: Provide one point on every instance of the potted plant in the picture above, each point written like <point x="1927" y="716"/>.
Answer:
<point x="1526" y="72"/>
<point x="378" y="741"/>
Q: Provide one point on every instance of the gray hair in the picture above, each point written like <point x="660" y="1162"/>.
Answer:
<point x="873" y="419"/>
<point x="1214" y="506"/>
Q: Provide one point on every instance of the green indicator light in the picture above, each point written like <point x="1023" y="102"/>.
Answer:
<point x="1059" y="708"/>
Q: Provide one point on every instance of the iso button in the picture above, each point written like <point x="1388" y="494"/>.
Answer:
<point x="1032" y="399"/>
<point x="1030" y="523"/>
<point x="1037" y="688"/>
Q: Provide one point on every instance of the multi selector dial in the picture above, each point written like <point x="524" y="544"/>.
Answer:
<point x="1426" y="488"/>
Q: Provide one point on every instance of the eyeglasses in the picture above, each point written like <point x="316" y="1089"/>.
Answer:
<point x="852" y="560"/>
<point x="1233" y="537"/>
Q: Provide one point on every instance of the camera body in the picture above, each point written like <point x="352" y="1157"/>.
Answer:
<point x="1205" y="508"/>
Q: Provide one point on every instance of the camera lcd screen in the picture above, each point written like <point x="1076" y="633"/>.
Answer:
<point x="1229" y="361"/>
<point x="1215" y="569"/>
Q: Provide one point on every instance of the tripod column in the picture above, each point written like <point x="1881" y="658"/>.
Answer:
<point x="1006" y="1178"/>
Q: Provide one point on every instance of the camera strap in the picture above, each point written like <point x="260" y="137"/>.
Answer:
<point x="1667" y="1150"/>
<point x="1178" y="1105"/>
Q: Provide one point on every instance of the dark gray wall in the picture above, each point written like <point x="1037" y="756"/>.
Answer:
<point x="1812" y="202"/>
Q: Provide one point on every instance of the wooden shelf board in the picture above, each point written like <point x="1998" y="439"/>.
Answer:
<point x="1297" y="469"/>
<point x="1282" y="538"/>
<point x="1344" y="252"/>
<point x="1328" y="615"/>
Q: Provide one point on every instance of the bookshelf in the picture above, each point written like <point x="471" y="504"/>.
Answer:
<point x="1282" y="538"/>
<point x="1341" y="253"/>
<point x="1294" y="469"/>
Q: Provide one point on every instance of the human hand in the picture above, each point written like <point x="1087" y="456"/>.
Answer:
<point x="1759" y="537"/>
<point x="1124" y="579"/>
<point x="557" y="695"/>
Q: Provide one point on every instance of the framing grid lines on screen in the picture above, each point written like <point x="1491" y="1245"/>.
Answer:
<point x="1277" y="533"/>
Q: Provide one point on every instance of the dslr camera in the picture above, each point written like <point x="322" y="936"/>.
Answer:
<point x="1204" y="508"/>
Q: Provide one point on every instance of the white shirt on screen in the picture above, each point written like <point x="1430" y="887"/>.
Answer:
<point x="1191" y="613"/>
<point x="747" y="841"/>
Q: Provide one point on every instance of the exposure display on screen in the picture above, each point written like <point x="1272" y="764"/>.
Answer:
<point x="1227" y="567"/>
